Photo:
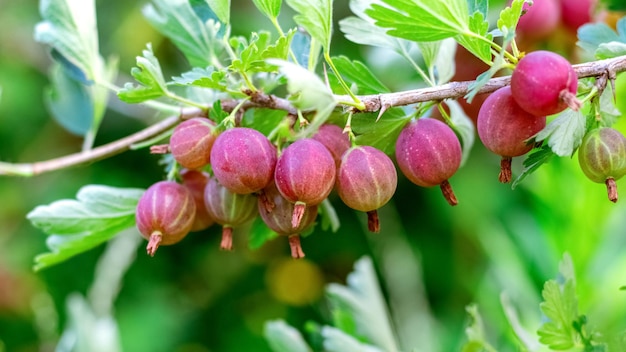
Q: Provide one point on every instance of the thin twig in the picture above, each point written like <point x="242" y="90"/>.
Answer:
<point x="373" y="103"/>
<point x="99" y="153"/>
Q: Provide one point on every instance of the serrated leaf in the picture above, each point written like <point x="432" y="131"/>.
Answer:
<point x="355" y="72"/>
<point x="600" y="39"/>
<point x="565" y="133"/>
<point x="306" y="50"/>
<point x="421" y="20"/>
<point x="270" y="8"/>
<point x="534" y="160"/>
<point x="381" y="134"/>
<point x="463" y="127"/>
<point x="69" y="26"/>
<point x="74" y="226"/>
<point x="69" y="102"/>
<point x="284" y="338"/>
<point x="198" y="40"/>
<point x="363" y="30"/>
<point x="560" y="306"/>
<point x="252" y="56"/>
<point x="364" y="300"/>
<point x="203" y="77"/>
<point x="316" y="17"/>
<point x="509" y="17"/>
<point x="473" y="40"/>
<point x="336" y="340"/>
<point x="150" y="77"/>
<point x="221" y="8"/>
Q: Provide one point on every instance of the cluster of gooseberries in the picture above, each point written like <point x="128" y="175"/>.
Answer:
<point x="542" y="84"/>
<point x="231" y="176"/>
<point x="249" y="177"/>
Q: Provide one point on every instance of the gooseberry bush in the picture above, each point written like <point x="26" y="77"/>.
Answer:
<point x="265" y="134"/>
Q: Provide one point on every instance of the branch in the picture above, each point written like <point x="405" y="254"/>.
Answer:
<point x="454" y="90"/>
<point x="99" y="153"/>
<point x="373" y="103"/>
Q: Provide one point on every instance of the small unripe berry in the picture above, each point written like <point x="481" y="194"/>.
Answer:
<point x="429" y="153"/>
<point x="228" y="209"/>
<point x="165" y="214"/>
<point x="305" y="175"/>
<point x="278" y="217"/>
<point x="243" y="160"/>
<point x="196" y="182"/>
<point x="602" y="157"/>
<point x="366" y="181"/>
<point x="191" y="142"/>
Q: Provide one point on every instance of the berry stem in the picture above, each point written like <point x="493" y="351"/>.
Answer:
<point x="611" y="188"/>
<point x="298" y="212"/>
<point x="448" y="193"/>
<point x="227" y="238"/>
<point x="296" y="248"/>
<point x="153" y="243"/>
<point x="505" y="170"/>
<point x="570" y="99"/>
<point x="373" y="223"/>
<point x="160" y="149"/>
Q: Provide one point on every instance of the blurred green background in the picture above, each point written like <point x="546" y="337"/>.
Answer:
<point x="193" y="297"/>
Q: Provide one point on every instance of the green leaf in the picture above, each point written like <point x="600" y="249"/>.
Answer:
<point x="608" y="111"/>
<point x="535" y="159"/>
<point x="69" y="26"/>
<point x="69" y="102"/>
<point x="328" y="215"/>
<point x="381" y="134"/>
<point x="421" y="20"/>
<point x="509" y="17"/>
<point x="265" y="120"/>
<point x="611" y="50"/>
<point x="363" y="30"/>
<point x="221" y="8"/>
<point x="365" y="303"/>
<point x="336" y="340"/>
<point x="560" y="307"/>
<point x="252" y="56"/>
<point x="282" y="337"/>
<point x="600" y="40"/>
<point x="259" y="234"/>
<point x="270" y="8"/>
<point x="355" y="72"/>
<point x="203" y="77"/>
<point x="477" y="41"/>
<point x="150" y="77"/>
<point x="475" y="332"/>
<point x="74" y="226"/>
<point x="565" y="133"/>
<point x="199" y="41"/>
<point x="316" y="17"/>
